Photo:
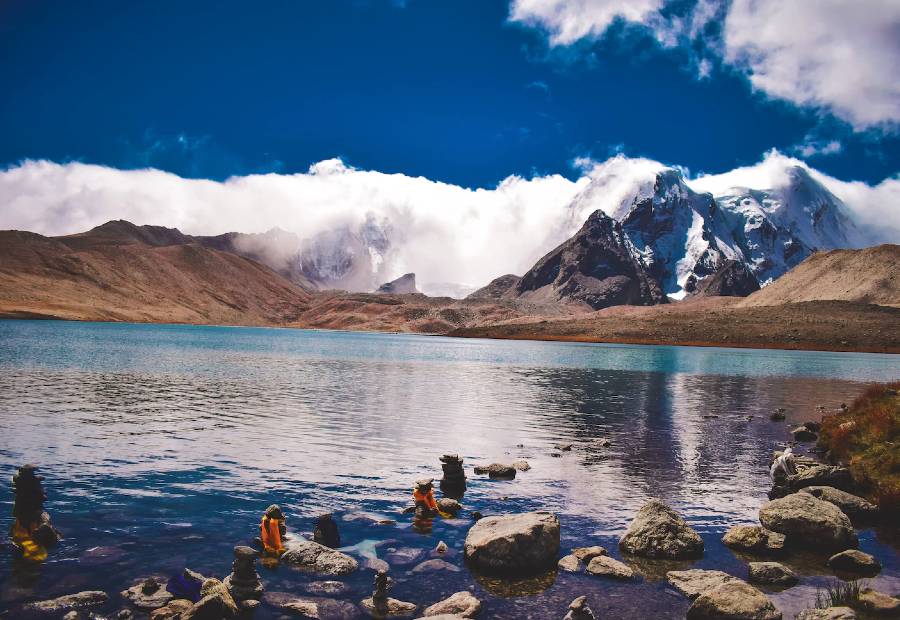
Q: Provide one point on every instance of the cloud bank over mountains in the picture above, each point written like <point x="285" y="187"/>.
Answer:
<point x="828" y="54"/>
<point x="443" y="232"/>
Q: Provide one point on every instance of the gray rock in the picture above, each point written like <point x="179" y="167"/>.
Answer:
<point x="148" y="593"/>
<point x="772" y="573"/>
<point x="521" y="465"/>
<point x="389" y="608"/>
<point x="497" y="471"/>
<point x="80" y="600"/>
<point x="659" y="532"/>
<point x="854" y="561"/>
<point x="314" y="608"/>
<point x="308" y="555"/>
<point x="879" y="603"/>
<point x="605" y="566"/>
<point x="694" y="582"/>
<point x="586" y="554"/>
<point x="753" y="539"/>
<point x="809" y="521"/>
<point x="215" y="602"/>
<point x="514" y="544"/>
<point x="831" y="613"/>
<point x="334" y="588"/>
<point x="855" y="507"/>
<point x="579" y="610"/>
<point x="172" y="611"/>
<point x="822" y="475"/>
<point x="435" y="565"/>
<point x="734" y="600"/>
<point x="570" y="564"/>
<point x="449" y="505"/>
<point x="462" y="604"/>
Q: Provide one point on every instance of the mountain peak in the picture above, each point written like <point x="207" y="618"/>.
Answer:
<point x="403" y="285"/>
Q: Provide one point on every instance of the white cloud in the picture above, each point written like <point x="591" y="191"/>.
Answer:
<point x="827" y="54"/>
<point x="444" y="232"/>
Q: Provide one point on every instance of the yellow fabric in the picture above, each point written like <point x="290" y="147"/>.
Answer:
<point x="30" y="549"/>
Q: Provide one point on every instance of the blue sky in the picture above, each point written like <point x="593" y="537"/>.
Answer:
<point x="453" y="91"/>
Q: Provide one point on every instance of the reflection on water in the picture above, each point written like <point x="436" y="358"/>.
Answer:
<point x="163" y="444"/>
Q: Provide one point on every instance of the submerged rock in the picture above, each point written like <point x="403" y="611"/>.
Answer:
<point x="809" y="521"/>
<point x="312" y="556"/>
<point x="148" y="593"/>
<point x="514" y="544"/>
<point x="772" y="573"/>
<point x="579" y="610"/>
<point x="497" y="471"/>
<point x="753" y="539"/>
<point x="435" y="565"/>
<point x="311" y="607"/>
<point x="461" y="605"/>
<point x="733" y="600"/>
<point x="80" y="600"/>
<point x="657" y="531"/>
<point x="694" y="582"/>
<point x="605" y="566"/>
<point x="855" y="507"/>
<point x="854" y="561"/>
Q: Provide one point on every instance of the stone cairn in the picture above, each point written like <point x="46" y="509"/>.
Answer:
<point x="243" y="583"/>
<point x="326" y="532"/>
<point x="383" y="584"/>
<point x="579" y="610"/>
<point x="453" y="484"/>
<point x="28" y="507"/>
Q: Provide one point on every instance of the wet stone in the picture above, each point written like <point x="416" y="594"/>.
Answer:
<point x="855" y="561"/>
<point x="772" y="573"/>
<point x="326" y="532"/>
<point x="570" y="564"/>
<point x="579" y="610"/>
<point x="80" y="600"/>
<point x="461" y="605"/>
<point x="605" y="566"/>
<point x="586" y="554"/>
<point x="243" y="583"/>
<point x="148" y="593"/>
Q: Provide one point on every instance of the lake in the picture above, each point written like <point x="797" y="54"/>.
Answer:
<point x="163" y="444"/>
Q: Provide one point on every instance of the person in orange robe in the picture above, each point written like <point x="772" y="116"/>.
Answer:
<point x="423" y="496"/>
<point x="272" y="529"/>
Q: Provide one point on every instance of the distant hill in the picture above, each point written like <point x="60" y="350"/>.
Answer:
<point x="871" y="276"/>
<point x="122" y="272"/>
<point x="404" y="285"/>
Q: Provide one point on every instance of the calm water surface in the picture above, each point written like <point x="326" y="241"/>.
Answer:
<point x="162" y="445"/>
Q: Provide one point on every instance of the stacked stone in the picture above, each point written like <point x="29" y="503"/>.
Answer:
<point x="243" y="583"/>
<point x="454" y="479"/>
<point x="28" y="508"/>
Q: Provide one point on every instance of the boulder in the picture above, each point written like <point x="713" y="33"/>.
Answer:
<point x="172" y="611"/>
<point x="694" y="582"/>
<point x="215" y="603"/>
<point x="659" y="532"/>
<point x="80" y="600"/>
<point x="521" y="465"/>
<point x="514" y="544"/>
<point x="579" y="610"/>
<point x="569" y="564"/>
<point x="449" y="506"/>
<point x="462" y="604"/>
<point x="772" y="573"/>
<point x="879" y="603"/>
<point x="753" y="539"/>
<point x="801" y="433"/>
<point x="821" y="475"/>
<point x="855" y="507"/>
<point x="586" y="554"/>
<point x="605" y="566"/>
<point x="497" y="471"/>
<point x="148" y="593"/>
<point x="388" y="608"/>
<point x="803" y="519"/>
<point x="831" y="613"/>
<point x="854" y="561"/>
<point x="312" y="556"/>
<point x="733" y="600"/>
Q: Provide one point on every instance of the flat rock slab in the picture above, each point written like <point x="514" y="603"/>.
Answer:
<point x="855" y="561"/>
<point x="80" y="600"/>
<point x="514" y="544"/>
<point x="831" y="613"/>
<point x="434" y="566"/>
<point x="461" y="605"/>
<point x="657" y="531"/>
<point x="312" y="556"/>
<point x="753" y="539"/>
<point x="586" y="554"/>
<point x="694" y="582"/>
<point x="734" y="600"/>
<point x="804" y="519"/>
<point x="605" y="566"/>
<point x="822" y="475"/>
<point x="772" y="573"/>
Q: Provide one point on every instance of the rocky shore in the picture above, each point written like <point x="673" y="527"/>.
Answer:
<point x="814" y="508"/>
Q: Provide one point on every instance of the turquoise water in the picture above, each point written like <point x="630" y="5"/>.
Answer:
<point x="162" y="445"/>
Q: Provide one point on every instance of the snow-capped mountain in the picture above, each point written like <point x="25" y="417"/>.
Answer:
<point x="684" y="236"/>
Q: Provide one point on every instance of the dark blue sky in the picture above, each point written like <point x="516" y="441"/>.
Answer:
<point x="447" y="90"/>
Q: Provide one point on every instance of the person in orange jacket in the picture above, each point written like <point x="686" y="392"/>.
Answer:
<point x="272" y="530"/>
<point x="423" y="496"/>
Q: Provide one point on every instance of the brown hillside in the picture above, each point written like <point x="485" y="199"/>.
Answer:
<point x="119" y="276"/>
<point x="870" y="276"/>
